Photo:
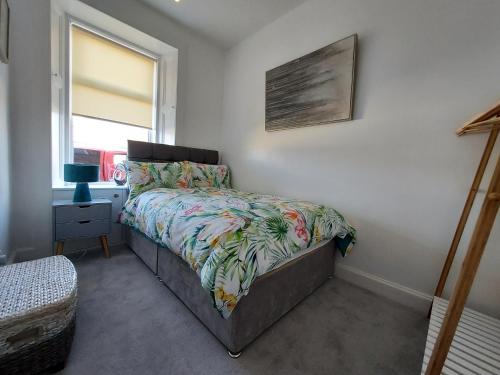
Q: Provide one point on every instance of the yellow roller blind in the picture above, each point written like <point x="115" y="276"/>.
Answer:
<point x="110" y="81"/>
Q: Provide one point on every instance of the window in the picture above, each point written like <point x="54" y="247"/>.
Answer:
<point x="106" y="89"/>
<point x="104" y="143"/>
<point x="112" y="99"/>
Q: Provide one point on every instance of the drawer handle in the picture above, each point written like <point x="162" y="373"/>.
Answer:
<point x="87" y="206"/>
<point x="84" y="222"/>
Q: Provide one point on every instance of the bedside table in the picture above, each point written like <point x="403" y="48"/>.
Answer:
<point x="74" y="220"/>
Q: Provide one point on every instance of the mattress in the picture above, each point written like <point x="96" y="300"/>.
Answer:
<point x="298" y="254"/>
<point x="147" y="250"/>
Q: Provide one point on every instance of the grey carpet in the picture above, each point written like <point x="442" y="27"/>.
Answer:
<point x="129" y="323"/>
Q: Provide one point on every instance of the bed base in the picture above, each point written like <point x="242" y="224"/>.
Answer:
<point x="271" y="296"/>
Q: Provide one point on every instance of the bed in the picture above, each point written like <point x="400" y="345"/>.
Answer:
<point x="271" y="295"/>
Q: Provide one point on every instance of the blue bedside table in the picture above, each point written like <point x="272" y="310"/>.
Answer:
<point x="74" y="220"/>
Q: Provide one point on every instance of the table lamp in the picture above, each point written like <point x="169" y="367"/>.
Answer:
<point x="82" y="174"/>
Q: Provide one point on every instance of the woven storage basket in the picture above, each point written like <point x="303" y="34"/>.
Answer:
<point x="37" y="315"/>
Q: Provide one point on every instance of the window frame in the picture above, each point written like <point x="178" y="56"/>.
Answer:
<point x="63" y="15"/>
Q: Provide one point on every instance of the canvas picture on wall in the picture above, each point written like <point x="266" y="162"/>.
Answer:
<point x="315" y="89"/>
<point x="4" y="31"/>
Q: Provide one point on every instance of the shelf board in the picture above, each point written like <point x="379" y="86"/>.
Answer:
<point x="476" y="346"/>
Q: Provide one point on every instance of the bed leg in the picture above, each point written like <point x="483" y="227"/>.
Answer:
<point x="233" y="354"/>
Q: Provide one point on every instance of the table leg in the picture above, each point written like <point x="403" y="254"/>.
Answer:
<point x="104" y="244"/>
<point x="59" y="247"/>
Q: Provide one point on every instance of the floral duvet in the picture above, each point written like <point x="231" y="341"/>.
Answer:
<point x="229" y="237"/>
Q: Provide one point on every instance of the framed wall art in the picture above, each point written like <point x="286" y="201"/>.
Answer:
<point x="4" y="31"/>
<point x="315" y="89"/>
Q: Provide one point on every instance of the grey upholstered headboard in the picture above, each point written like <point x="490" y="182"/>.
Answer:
<point x="156" y="152"/>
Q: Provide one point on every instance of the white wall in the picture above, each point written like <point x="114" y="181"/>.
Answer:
<point x="397" y="171"/>
<point x="4" y="162"/>
<point x="29" y="66"/>
<point x="201" y="70"/>
<point x="198" y="108"/>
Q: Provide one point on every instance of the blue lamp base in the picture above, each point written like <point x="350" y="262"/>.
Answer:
<point x="82" y="192"/>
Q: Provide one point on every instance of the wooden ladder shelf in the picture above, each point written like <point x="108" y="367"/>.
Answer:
<point x="488" y="121"/>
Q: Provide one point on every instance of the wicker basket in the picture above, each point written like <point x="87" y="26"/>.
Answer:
<point x="37" y="315"/>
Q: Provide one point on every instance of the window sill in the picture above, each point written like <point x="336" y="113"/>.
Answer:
<point x="91" y="186"/>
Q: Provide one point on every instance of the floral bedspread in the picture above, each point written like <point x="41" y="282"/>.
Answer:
<point x="230" y="237"/>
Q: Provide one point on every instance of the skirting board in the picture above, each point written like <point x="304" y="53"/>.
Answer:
<point x="394" y="291"/>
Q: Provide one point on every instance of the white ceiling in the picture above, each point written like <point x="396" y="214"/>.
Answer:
<point x="225" y="22"/>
